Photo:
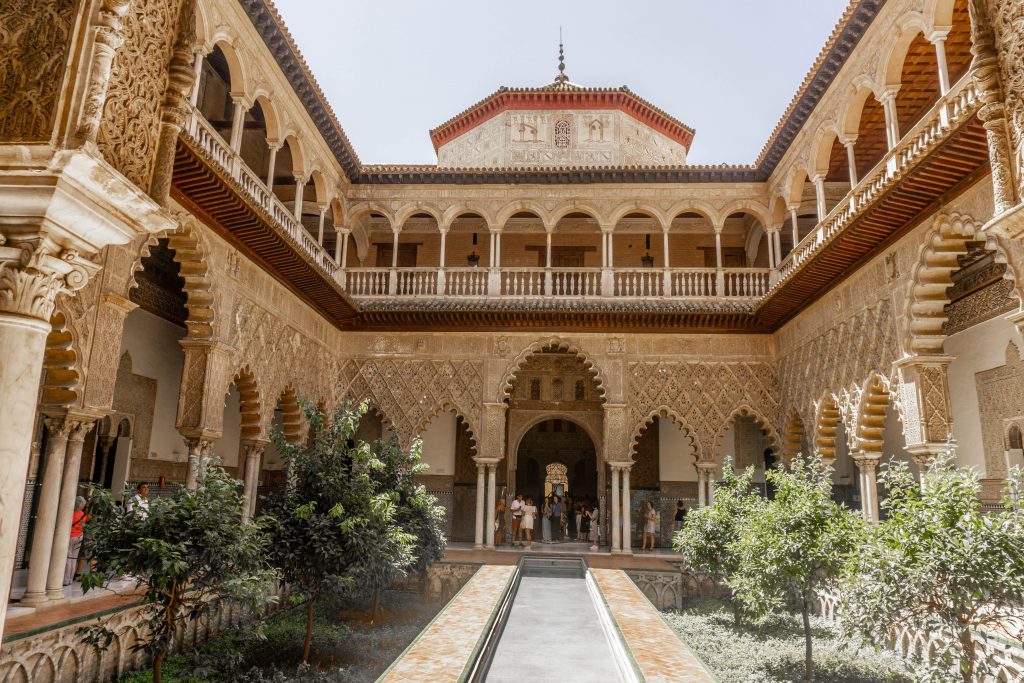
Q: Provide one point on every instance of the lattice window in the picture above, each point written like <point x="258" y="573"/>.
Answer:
<point x="534" y="389"/>
<point x="563" y="133"/>
<point x="581" y="390"/>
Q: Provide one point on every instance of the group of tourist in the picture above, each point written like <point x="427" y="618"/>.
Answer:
<point x="559" y="520"/>
<point x="578" y="522"/>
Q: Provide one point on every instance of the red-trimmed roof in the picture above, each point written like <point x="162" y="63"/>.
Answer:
<point x="562" y="96"/>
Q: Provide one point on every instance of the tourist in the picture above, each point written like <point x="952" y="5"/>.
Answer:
<point x="499" y="523"/>
<point x="650" y="520"/>
<point x="556" y="519"/>
<point x="78" y="519"/>
<point x="139" y="503"/>
<point x="595" y="527"/>
<point x="680" y="517"/>
<point x="580" y="510"/>
<point x="517" y="518"/>
<point x="529" y="514"/>
<point x="545" y="520"/>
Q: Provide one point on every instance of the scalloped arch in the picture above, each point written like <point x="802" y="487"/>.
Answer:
<point x="440" y="407"/>
<point x="555" y="343"/>
<point x="61" y="386"/>
<point x="744" y="410"/>
<point x="666" y="412"/>
<point x="190" y="251"/>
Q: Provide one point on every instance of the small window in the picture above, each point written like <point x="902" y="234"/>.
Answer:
<point x="563" y="133"/>
<point x="1016" y="442"/>
<point x="581" y="390"/>
<point x="556" y="390"/>
<point x="534" y="389"/>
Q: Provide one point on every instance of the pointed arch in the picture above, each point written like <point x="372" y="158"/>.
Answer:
<point x="932" y="276"/>
<point x="666" y="412"/>
<point x="188" y="247"/>
<point x="874" y="401"/>
<point x="443" y="406"/>
<point x="826" y="427"/>
<point x="61" y="386"/>
<point x="793" y="435"/>
<point x="745" y="410"/>
<point x="550" y="344"/>
<point x="248" y="402"/>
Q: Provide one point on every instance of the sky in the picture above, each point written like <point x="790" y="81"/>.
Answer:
<point x="394" y="69"/>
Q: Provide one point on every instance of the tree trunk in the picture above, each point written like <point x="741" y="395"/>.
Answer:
<point x="375" y="609"/>
<point x="808" y="658"/>
<point x="308" y="644"/>
<point x="158" y="666"/>
<point x="967" y="663"/>
<point x="736" y="613"/>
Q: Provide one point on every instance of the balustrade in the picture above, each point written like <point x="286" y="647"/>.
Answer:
<point x="639" y="282"/>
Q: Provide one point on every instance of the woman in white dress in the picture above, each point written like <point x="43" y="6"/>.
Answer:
<point x="595" y="527"/>
<point x="545" y="521"/>
<point x="650" y="520"/>
<point x="529" y="514"/>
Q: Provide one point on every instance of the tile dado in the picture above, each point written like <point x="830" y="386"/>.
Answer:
<point x="657" y="651"/>
<point x="441" y="652"/>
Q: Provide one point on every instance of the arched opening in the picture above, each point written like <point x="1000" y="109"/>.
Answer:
<point x="793" y="440"/>
<point x="557" y="442"/>
<point x="663" y="472"/>
<point x="1014" y="447"/>
<point x="448" y="451"/>
<point x="287" y="164"/>
<point x="692" y="242"/>
<point x="241" y="422"/>
<point x="214" y="101"/>
<point x="749" y="443"/>
<point x="254" y="150"/>
<point x="872" y="143"/>
<point x="919" y="83"/>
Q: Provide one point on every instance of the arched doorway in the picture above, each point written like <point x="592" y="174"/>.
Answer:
<point x="557" y="456"/>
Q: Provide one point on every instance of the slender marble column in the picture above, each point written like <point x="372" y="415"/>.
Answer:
<point x="57" y="430"/>
<point x="702" y="500"/>
<point x="627" y="534"/>
<point x="491" y="493"/>
<point x="66" y="509"/>
<point x="481" y="493"/>
<point x="616" y="512"/>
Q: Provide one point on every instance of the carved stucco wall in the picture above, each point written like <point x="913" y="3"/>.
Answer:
<point x="1007" y="17"/>
<point x="37" y="36"/>
<point x="1000" y="400"/>
<point x="528" y="138"/>
<point x="138" y="79"/>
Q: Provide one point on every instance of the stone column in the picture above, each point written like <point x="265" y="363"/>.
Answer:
<point x="66" y="508"/>
<point x="851" y="159"/>
<point x="616" y="511"/>
<point x="320" y="228"/>
<point x="819" y="193"/>
<point x="271" y="164"/>
<point x="253" y="451"/>
<point x="197" y="70"/>
<point x="481" y="492"/>
<point x="867" y="466"/>
<point x="343" y="238"/>
<point x="988" y="82"/>
<point x="795" y="225"/>
<point x="300" y="187"/>
<point x="491" y="493"/>
<point x="938" y="39"/>
<point x="57" y="430"/>
<point x="238" y="112"/>
<point x="777" y="234"/>
<point x="198" y="451"/>
<point x="627" y="522"/>
<point x="32" y="273"/>
<point x="892" y="124"/>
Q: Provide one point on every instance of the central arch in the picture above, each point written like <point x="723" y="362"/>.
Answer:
<point x="563" y="441"/>
<point x="550" y="345"/>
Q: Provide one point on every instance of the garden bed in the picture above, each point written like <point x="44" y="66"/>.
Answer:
<point x="773" y="652"/>
<point x="347" y="648"/>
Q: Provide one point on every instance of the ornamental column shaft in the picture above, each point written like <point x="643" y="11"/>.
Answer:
<point x="851" y="161"/>
<point x="491" y="493"/>
<point x="796" y="226"/>
<point x="481" y="492"/>
<point x="66" y="510"/>
<point x="616" y="512"/>
<point x="702" y="499"/>
<point x="57" y="430"/>
<point x="627" y="514"/>
<point x="271" y="164"/>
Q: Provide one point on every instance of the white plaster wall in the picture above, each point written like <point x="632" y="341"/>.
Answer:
<point x="499" y="142"/>
<point x="439" y="444"/>
<point x="894" y="444"/>
<point x="227" y="445"/>
<point x="676" y="456"/>
<point x="152" y="343"/>
<point x="977" y="348"/>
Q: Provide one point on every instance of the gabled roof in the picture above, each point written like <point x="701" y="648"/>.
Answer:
<point x="562" y="94"/>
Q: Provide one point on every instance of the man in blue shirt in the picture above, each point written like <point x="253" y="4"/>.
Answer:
<point x="556" y="519"/>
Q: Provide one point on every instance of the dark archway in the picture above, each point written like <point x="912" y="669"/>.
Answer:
<point x="557" y="442"/>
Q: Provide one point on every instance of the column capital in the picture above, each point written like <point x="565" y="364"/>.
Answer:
<point x="888" y="93"/>
<point x="707" y="467"/>
<point x="866" y="462"/>
<point x="848" y="140"/>
<point x="939" y="34"/>
<point x="607" y="228"/>
<point x="34" y="272"/>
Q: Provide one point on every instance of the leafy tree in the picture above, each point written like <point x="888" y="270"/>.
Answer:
<point x="416" y="513"/>
<point x="189" y="552"/>
<point x="939" y="564"/>
<point x="794" y="545"/>
<point x="708" y="538"/>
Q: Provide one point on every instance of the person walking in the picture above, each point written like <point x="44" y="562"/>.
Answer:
<point x="650" y="522"/>
<point x="529" y="514"/>
<point x="545" y="520"/>
<point x="595" y="527"/>
<point x="499" y="523"/>
<point x="556" y="519"/>
<point x="517" y="520"/>
<point x="78" y="520"/>
<point x="680" y="517"/>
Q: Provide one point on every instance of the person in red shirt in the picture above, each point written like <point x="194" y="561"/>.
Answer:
<point x="78" y="520"/>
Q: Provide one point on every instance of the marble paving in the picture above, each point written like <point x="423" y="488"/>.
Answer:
<point x="657" y="651"/>
<point x="442" y="651"/>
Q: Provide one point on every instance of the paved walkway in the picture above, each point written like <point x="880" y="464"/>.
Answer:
<point x="21" y="621"/>
<point x="442" y="651"/>
<point x="657" y="651"/>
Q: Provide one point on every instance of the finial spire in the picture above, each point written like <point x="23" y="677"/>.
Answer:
<point x="561" y="77"/>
